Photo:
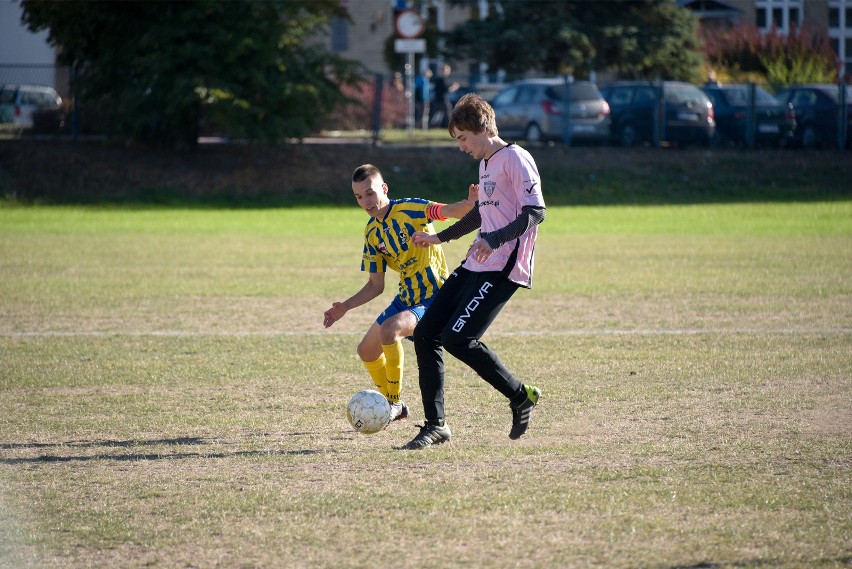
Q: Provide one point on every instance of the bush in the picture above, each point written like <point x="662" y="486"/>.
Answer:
<point x="358" y="113"/>
<point x="802" y="56"/>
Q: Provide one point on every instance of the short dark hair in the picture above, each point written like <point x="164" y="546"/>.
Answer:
<point x="365" y="171"/>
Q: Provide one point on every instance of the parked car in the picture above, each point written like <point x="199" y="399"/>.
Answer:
<point x="533" y="110"/>
<point x="774" y="122"/>
<point x="27" y="106"/>
<point x="817" y="109"/>
<point x="688" y="112"/>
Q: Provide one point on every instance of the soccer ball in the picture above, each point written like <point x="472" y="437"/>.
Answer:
<point x="368" y="411"/>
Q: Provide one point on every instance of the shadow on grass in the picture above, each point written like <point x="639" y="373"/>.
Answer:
<point x="761" y="563"/>
<point x="297" y="175"/>
<point x="134" y="457"/>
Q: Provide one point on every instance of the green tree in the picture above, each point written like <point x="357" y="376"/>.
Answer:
<point x="159" y="68"/>
<point x="636" y="39"/>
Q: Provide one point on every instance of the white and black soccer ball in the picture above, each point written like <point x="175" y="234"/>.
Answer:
<point x="368" y="411"/>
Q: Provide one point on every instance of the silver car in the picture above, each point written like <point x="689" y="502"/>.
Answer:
<point x="533" y="110"/>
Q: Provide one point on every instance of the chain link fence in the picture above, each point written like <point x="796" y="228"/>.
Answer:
<point x="382" y="109"/>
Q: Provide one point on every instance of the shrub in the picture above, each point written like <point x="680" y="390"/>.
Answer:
<point x="357" y="114"/>
<point x="802" y="56"/>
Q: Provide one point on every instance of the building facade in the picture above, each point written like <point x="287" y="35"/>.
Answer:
<point x="372" y="22"/>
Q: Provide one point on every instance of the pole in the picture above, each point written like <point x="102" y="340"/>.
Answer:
<point x="566" y="109"/>
<point x="377" y="108"/>
<point x="409" y="94"/>
<point x="843" y="118"/>
<point x="751" y="122"/>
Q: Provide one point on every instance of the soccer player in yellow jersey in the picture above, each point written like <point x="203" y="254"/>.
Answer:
<point x="388" y="244"/>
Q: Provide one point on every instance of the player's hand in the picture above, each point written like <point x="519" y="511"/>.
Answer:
<point x="480" y="250"/>
<point x="423" y="239"/>
<point x="333" y="314"/>
<point x="473" y="194"/>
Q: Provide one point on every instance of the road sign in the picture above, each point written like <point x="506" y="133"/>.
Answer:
<point x="409" y="24"/>
<point x="409" y="46"/>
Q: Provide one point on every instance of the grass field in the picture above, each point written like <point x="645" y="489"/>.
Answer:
<point x="169" y="398"/>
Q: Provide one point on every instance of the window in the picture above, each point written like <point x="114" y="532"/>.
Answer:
<point x="760" y="18"/>
<point x="506" y="97"/>
<point x="803" y="99"/>
<point x="583" y="92"/>
<point x="646" y="94"/>
<point x="526" y="95"/>
<point x="339" y="35"/>
<point x="834" y="17"/>
<point x="621" y="96"/>
<point x="783" y="15"/>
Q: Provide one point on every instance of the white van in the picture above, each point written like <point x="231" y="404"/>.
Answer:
<point x="18" y="103"/>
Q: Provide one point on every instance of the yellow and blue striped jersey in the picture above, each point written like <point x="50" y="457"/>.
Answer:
<point x="387" y="243"/>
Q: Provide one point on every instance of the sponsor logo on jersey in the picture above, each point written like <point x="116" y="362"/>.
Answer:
<point x="408" y="263"/>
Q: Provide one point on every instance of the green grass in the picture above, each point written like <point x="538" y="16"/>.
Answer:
<point x="169" y="398"/>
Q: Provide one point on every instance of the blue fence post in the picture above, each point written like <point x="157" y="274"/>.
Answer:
<point x="843" y="117"/>
<point x="660" y="116"/>
<point x="566" y="110"/>
<point x="75" y="111"/>
<point x="377" y="108"/>
<point x="751" y="119"/>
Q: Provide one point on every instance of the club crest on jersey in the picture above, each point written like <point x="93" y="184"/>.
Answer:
<point x="383" y="248"/>
<point x="489" y="188"/>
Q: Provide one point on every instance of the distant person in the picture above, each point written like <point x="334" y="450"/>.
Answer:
<point x="442" y="87"/>
<point x="712" y="80"/>
<point x="422" y="97"/>
<point x="398" y="83"/>
<point x="508" y="211"/>
<point x="388" y="244"/>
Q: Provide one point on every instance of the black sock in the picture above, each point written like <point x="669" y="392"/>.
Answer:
<point x="519" y="397"/>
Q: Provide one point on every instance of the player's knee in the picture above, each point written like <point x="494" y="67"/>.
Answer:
<point x="364" y="352"/>
<point x="454" y="344"/>
<point x="421" y="335"/>
<point x="391" y="333"/>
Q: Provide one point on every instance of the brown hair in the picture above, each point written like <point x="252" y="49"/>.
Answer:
<point x="473" y="114"/>
<point x="365" y="171"/>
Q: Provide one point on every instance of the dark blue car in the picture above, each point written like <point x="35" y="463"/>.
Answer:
<point x="773" y="124"/>
<point x="818" y="114"/>
<point x="636" y="106"/>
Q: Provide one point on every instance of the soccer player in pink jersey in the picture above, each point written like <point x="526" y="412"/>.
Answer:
<point x="509" y="209"/>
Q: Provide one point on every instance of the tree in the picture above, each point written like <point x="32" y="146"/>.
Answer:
<point x="161" y="67"/>
<point x="636" y="39"/>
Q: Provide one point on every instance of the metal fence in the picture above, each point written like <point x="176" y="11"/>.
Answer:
<point x="384" y="108"/>
<point x="55" y="76"/>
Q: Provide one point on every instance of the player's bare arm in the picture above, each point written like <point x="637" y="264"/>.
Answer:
<point x="374" y="287"/>
<point x="455" y="211"/>
<point x="458" y="209"/>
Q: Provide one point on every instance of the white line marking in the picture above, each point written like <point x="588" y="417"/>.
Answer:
<point x="589" y="332"/>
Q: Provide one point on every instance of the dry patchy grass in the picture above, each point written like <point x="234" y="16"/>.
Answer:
<point x="185" y="409"/>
